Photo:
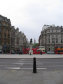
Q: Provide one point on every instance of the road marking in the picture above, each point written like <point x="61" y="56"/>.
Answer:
<point x="41" y="68"/>
<point x="17" y="68"/>
<point x="22" y="63"/>
<point x="26" y="68"/>
<point x="19" y="63"/>
<point x="32" y="68"/>
<point x="21" y="60"/>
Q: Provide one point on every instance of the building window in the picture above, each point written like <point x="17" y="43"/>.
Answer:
<point x="49" y="49"/>
<point x="0" y="24"/>
<point x="56" y="40"/>
<point x="61" y="46"/>
<point x="0" y="29"/>
<point x="56" y="47"/>
<point x="0" y="41"/>
<point x="5" y="35"/>
<point x="52" y="30"/>
<point x="8" y="35"/>
<point x="61" y="41"/>
<point x="17" y="41"/>
<point x="62" y="30"/>
<point x="0" y="35"/>
<point x="58" y="30"/>
<point x="49" y="41"/>
<point x="53" y="36"/>
<point x="53" y="40"/>
<point x="49" y="30"/>
<point x="5" y="42"/>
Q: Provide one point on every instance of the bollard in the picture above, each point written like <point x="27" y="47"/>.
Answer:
<point x="34" y="65"/>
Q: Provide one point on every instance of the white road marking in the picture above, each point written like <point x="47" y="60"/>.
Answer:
<point x="21" y="60"/>
<point x="27" y="68"/>
<point x="14" y="68"/>
<point x="19" y="63"/>
<point x="32" y="68"/>
<point x="17" y="68"/>
<point x="41" y="68"/>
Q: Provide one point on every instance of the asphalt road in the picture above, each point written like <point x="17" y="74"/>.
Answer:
<point x="27" y="64"/>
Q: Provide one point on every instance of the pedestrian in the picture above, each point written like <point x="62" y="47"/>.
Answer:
<point x="41" y="52"/>
<point x="30" y="53"/>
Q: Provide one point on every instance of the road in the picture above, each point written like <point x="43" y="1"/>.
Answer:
<point x="27" y="63"/>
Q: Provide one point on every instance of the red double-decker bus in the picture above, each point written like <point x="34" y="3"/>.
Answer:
<point x="35" y="51"/>
<point x="59" y="51"/>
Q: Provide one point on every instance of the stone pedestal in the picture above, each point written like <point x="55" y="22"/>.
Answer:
<point x="30" y="51"/>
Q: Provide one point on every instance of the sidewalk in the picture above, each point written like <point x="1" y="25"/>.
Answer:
<point x="27" y="77"/>
<point x="31" y="56"/>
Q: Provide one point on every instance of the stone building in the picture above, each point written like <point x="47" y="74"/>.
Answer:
<point x="12" y="37"/>
<point x="17" y="38"/>
<point x="5" y="27"/>
<point x="20" y="40"/>
<point x="51" y="37"/>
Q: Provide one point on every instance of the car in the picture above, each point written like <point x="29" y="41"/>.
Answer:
<point x="19" y="52"/>
<point x="0" y="51"/>
<point x="12" y="52"/>
<point x="50" y="52"/>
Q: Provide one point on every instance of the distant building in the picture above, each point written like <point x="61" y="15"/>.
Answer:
<point x="23" y="40"/>
<point x="17" y="38"/>
<point x="20" y="40"/>
<point x="51" y="37"/>
<point x="12" y="37"/>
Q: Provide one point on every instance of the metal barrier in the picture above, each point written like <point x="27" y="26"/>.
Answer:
<point x="34" y="65"/>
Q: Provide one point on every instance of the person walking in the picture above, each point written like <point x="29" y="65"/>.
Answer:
<point x="41" y="52"/>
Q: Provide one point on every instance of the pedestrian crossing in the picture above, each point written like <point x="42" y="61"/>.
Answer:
<point x="27" y="64"/>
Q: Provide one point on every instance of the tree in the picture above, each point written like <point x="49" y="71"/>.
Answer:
<point x="35" y="45"/>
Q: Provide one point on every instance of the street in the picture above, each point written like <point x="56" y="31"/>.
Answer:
<point x="20" y="70"/>
<point x="27" y="63"/>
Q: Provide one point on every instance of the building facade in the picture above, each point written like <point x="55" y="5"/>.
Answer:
<point x="20" y="40"/>
<point x="5" y="27"/>
<point x="51" y="37"/>
<point x="11" y="38"/>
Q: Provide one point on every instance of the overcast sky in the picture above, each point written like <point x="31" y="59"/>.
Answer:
<point x="31" y="15"/>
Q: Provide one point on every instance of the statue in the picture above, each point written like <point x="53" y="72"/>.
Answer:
<point x="31" y="51"/>
<point x="31" y="41"/>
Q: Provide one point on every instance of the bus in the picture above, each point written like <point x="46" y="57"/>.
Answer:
<point x="42" y="49"/>
<point x="59" y="51"/>
<point x="39" y="50"/>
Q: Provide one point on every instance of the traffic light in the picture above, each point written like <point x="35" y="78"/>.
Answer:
<point x="30" y="41"/>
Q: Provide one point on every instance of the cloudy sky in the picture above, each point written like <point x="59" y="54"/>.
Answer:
<point x="31" y="15"/>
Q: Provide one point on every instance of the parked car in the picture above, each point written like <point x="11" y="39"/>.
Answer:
<point x="0" y="51"/>
<point x="50" y="52"/>
<point x="12" y="52"/>
<point x="19" y="52"/>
